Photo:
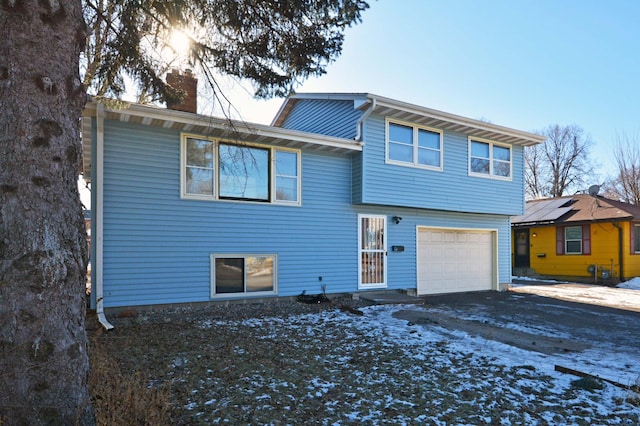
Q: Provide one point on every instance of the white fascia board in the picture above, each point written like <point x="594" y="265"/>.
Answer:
<point x="383" y="102"/>
<point x="241" y="127"/>
<point x="363" y="100"/>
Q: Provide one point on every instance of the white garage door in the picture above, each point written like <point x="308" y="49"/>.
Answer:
<point x="451" y="260"/>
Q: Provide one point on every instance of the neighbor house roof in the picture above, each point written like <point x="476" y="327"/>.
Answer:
<point x="575" y="208"/>
<point x="416" y="114"/>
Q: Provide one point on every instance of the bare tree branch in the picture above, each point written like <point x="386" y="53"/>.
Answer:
<point x="625" y="186"/>
<point x="560" y="165"/>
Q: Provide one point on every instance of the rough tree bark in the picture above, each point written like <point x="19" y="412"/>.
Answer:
<point x="43" y="255"/>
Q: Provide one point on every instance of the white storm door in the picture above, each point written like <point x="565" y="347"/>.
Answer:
<point x="372" y="246"/>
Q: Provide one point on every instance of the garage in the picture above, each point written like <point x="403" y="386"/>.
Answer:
<point x="455" y="260"/>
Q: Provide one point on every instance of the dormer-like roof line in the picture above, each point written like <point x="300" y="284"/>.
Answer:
<point x="404" y="111"/>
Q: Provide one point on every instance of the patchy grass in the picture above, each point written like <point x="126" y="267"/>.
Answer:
<point x="301" y="364"/>
<point x="120" y="395"/>
<point x="588" y="383"/>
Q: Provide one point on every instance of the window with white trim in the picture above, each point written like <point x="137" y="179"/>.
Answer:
<point x="489" y="159"/>
<point x="219" y="170"/>
<point x="416" y="146"/>
<point x="636" y="238"/>
<point x="573" y="239"/>
<point x="243" y="172"/>
<point x="243" y="275"/>
<point x="198" y="167"/>
<point x="287" y="176"/>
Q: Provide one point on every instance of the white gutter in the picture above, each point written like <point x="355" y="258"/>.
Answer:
<point x="249" y="130"/>
<point x="98" y="217"/>
<point x="360" y="124"/>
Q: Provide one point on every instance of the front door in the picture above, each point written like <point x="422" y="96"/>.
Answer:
<point x="372" y="246"/>
<point x="522" y="249"/>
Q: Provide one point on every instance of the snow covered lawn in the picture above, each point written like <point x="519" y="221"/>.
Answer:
<point x="336" y="368"/>
<point x="290" y="364"/>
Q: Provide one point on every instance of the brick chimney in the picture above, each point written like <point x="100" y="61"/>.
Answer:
<point x="189" y="84"/>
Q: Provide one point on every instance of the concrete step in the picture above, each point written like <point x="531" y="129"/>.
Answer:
<point x="389" y="297"/>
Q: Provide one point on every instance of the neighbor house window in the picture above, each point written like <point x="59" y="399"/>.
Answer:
<point x="243" y="274"/>
<point x="573" y="240"/>
<point x="240" y="172"/>
<point x="414" y="145"/>
<point x="636" y="238"/>
<point x="489" y="159"/>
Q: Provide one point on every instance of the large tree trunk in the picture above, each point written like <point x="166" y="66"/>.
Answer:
<point x="43" y="254"/>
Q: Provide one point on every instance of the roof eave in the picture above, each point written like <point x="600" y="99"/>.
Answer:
<point x="447" y="121"/>
<point x="251" y="132"/>
<point x="421" y="115"/>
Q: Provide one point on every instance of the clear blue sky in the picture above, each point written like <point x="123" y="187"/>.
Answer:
<point x="523" y="64"/>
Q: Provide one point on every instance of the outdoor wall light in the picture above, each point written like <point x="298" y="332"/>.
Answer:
<point x="534" y="235"/>
<point x="396" y="219"/>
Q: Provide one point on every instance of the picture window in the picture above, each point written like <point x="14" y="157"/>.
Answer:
<point x="217" y="170"/>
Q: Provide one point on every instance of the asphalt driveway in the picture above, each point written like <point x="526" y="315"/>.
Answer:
<point x="576" y="323"/>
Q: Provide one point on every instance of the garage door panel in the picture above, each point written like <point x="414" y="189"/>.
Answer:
<point x="455" y="261"/>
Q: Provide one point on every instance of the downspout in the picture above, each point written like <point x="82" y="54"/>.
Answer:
<point x="98" y="209"/>
<point x="360" y="124"/>
<point x="620" y="249"/>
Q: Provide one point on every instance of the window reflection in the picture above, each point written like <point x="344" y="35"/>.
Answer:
<point x="248" y="274"/>
<point x="243" y="172"/>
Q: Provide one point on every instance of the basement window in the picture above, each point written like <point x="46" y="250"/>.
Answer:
<point x="236" y="275"/>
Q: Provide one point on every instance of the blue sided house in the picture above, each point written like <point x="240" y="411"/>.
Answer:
<point x="343" y="192"/>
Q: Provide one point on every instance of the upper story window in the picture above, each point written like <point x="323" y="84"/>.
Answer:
<point x="226" y="171"/>
<point x="489" y="159"/>
<point x="414" y="145"/>
<point x="243" y="172"/>
<point x="287" y="176"/>
<point x="198" y="172"/>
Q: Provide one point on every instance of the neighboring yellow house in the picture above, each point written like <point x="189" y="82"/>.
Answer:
<point x="580" y="237"/>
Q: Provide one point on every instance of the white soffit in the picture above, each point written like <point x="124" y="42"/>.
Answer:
<point x="225" y="129"/>
<point x="450" y="122"/>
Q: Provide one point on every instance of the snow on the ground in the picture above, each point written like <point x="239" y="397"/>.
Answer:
<point x="533" y="279"/>
<point x="485" y="381"/>
<point x="633" y="284"/>
<point x="605" y="362"/>
<point x="625" y="296"/>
